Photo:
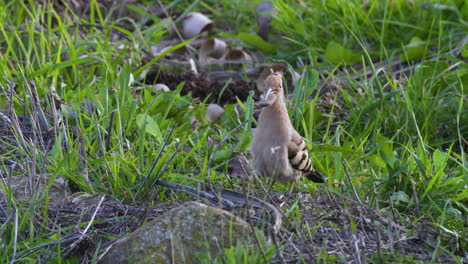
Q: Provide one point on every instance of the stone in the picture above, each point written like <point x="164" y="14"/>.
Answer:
<point x="214" y="112"/>
<point x="21" y="191"/>
<point x="180" y="236"/>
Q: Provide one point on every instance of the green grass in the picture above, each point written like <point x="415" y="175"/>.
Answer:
<point x="401" y="140"/>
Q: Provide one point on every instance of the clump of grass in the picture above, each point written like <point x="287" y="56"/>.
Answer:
<point x="397" y="142"/>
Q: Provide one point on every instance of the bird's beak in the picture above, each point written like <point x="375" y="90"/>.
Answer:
<point x="266" y="101"/>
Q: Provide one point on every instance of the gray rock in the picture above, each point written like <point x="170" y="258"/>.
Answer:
<point x="214" y="112"/>
<point x="179" y="236"/>
<point x="21" y="191"/>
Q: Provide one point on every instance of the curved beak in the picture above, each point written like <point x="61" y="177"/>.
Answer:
<point x="265" y="101"/>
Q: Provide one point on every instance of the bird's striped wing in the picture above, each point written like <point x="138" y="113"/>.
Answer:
<point x="299" y="158"/>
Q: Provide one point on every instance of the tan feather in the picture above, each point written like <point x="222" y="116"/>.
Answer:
<point x="277" y="148"/>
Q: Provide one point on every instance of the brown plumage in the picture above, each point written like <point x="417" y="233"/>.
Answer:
<point x="278" y="150"/>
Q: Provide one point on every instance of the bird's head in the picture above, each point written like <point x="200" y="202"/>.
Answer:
<point x="274" y="89"/>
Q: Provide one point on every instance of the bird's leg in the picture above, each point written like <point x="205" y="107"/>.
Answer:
<point x="273" y="150"/>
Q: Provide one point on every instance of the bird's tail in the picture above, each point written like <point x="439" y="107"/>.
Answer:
<point x="315" y="176"/>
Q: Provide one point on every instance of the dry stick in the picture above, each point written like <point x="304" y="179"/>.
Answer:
<point x="277" y="226"/>
<point x="83" y="234"/>
<point x="255" y="202"/>
<point x="15" y="238"/>
<point x="189" y="190"/>
<point x="170" y="243"/>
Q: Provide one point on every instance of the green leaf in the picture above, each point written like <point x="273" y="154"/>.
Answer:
<point x="59" y="66"/>
<point x="335" y="53"/>
<point x="221" y="155"/>
<point x="150" y="126"/>
<point x="386" y="145"/>
<point x="257" y="41"/>
<point x="386" y="151"/>
<point x="377" y="161"/>
<point x="461" y="196"/>
<point x="302" y="92"/>
<point x="125" y="78"/>
<point x="414" y="50"/>
<point x="311" y="81"/>
<point x="464" y="49"/>
<point x="246" y="138"/>
<point x="440" y="160"/>
<point x="400" y="197"/>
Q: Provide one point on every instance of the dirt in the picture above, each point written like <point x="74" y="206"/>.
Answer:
<point x="201" y="86"/>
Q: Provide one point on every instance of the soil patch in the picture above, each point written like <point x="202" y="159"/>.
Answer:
<point x="202" y="86"/>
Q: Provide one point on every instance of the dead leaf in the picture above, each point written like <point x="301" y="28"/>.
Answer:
<point x="194" y="24"/>
<point x="212" y="50"/>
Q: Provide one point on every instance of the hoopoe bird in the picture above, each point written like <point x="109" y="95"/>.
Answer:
<point x="277" y="148"/>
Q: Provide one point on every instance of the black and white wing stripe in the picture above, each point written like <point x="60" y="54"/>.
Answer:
<point x="299" y="158"/>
